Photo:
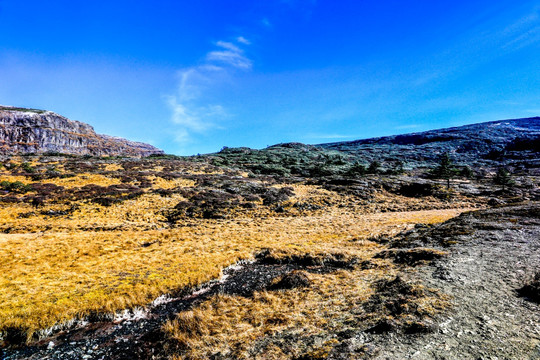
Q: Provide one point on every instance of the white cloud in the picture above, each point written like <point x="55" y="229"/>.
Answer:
<point x="190" y="110"/>
<point x="231" y="55"/>
<point x="229" y="46"/>
<point x="243" y="40"/>
<point x="230" y="58"/>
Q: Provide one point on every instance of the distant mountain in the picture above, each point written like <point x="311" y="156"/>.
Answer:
<point x="515" y="139"/>
<point x="24" y="131"/>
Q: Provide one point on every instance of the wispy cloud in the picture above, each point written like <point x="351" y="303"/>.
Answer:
<point x="485" y="42"/>
<point x="408" y="127"/>
<point x="243" y="40"/>
<point x="523" y="32"/>
<point x="266" y="23"/>
<point x="229" y="54"/>
<point x="191" y="111"/>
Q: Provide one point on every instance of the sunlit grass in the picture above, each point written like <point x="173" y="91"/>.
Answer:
<point x="69" y="258"/>
<point x="48" y="278"/>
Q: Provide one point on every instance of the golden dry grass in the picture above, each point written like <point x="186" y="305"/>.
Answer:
<point x="69" y="182"/>
<point x="104" y="259"/>
<point x="144" y="212"/>
<point x="237" y="327"/>
<point x="279" y="324"/>
<point x="52" y="277"/>
<point x="230" y="325"/>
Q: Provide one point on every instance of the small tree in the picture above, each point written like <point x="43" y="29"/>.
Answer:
<point x="503" y="178"/>
<point x="467" y="172"/>
<point x="374" y="167"/>
<point x="400" y="167"/>
<point x="356" y="169"/>
<point x="446" y="169"/>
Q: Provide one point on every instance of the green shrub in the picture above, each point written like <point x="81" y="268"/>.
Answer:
<point x="356" y="169"/>
<point x="466" y="172"/>
<point x="27" y="167"/>
<point x="16" y="186"/>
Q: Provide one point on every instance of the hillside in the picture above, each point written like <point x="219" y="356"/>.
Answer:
<point x="26" y="131"/>
<point x="515" y="140"/>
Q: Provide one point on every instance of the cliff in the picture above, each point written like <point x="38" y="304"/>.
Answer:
<point x="24" y="131"/>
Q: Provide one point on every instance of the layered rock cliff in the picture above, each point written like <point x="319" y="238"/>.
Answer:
<point x="24" y="131"/>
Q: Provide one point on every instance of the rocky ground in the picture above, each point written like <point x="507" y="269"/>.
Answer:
<point x="490" y="255"/>
<point x="496" y="252"/>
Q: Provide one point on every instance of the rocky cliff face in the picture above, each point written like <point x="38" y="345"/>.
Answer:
<point x="24" y="131"/>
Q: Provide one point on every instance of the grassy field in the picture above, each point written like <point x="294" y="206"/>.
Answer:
<point x="72" y="257"/>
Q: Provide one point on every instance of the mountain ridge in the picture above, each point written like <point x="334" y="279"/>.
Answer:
<point x="517" y="139"/>
<point x="533" y="122"/>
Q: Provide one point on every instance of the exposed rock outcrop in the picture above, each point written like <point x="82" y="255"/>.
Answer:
<point x="24" y="131"/>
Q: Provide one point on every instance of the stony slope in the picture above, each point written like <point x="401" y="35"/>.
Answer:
<point x="24" y="131"/>
<point x="511" y="140"/>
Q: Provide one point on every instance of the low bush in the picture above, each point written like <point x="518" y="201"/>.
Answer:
<point x="16" y="187"/>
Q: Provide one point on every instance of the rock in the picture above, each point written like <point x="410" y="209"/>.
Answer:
<point x="25" y="131"/>
<point x="532" y="289"/>
<point x="496" y="202"/>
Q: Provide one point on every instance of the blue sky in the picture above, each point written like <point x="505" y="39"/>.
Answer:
<point x="194" y="76"/>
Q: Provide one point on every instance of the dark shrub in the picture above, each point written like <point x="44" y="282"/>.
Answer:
<point x="523" y="144"/>
<point x="294" y="279"/>
<point x="273" y="196"/>
<point x="374" y="167"/>
<point x="356" y="169"/>
<point x="416" y="189"/>
<point x="466" y="172"/>
<point x="16" y="186"/>
<point x="532" y="289"/>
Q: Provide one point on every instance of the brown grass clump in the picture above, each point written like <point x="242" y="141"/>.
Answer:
<point x="294" y="279"/>
<point x="411" y="256"/>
